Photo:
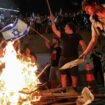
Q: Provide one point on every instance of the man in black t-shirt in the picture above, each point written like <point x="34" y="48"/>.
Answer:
<point x="55" y="50"/>
<point x="70" y="42"/>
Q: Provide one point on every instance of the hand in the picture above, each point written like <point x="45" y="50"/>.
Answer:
<point x="52" y="18"/>
<point x="46" y="40"/>
<point x="82" y="56"/>
<point x="91" y="19"/>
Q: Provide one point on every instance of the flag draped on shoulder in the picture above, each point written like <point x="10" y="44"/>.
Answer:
<point x="15" y="30"/>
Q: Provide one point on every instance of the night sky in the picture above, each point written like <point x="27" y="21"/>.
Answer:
<point x="40" y="6"/>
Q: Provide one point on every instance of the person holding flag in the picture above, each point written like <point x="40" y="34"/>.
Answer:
<point x="70" y="41"/>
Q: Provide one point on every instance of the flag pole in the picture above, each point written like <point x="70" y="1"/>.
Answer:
<point x="49" y="7"/>
<point x="41" y="35"/>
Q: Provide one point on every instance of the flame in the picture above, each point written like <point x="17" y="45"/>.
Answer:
<point x="16" y="75"/>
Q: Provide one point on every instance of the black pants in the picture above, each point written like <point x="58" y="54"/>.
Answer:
<point x="98" y="72"/>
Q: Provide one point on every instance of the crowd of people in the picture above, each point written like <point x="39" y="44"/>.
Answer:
<point x="65" y="50"/>
<point x="70" y="41"/>
<point x="42" y="23"/>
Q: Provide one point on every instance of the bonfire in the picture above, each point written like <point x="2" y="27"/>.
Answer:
<point x="16" y="76"/>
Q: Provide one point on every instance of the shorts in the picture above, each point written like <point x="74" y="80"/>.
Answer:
<point x="72" y="71"/>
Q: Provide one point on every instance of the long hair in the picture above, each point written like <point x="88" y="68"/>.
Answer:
<point x="94" y="3"/>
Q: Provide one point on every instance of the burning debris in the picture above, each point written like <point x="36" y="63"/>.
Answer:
<point x="19" y="84"/>
<point x="16" y="75"/>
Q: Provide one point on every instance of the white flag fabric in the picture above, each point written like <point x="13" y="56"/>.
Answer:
<point x="15" y="30"/>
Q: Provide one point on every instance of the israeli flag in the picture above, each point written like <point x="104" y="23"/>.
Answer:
<point x="15" y="31"/>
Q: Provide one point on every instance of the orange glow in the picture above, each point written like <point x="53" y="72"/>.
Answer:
<point x="16" y="76"/>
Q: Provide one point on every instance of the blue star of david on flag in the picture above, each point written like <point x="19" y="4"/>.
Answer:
<point x="15" y="30"/>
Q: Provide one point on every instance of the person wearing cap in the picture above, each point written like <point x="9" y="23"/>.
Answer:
<point x="97" y="19"/>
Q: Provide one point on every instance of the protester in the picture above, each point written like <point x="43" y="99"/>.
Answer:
<point x="28" y="57"/>
<point x="55" y="49"/>
<point x="97" y="19"/>
<point x="70" y="41"/>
